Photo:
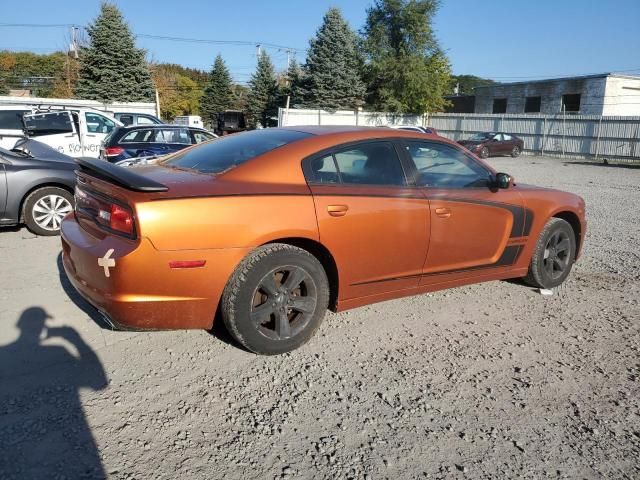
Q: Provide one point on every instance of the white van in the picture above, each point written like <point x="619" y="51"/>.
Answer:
<point x="188" y="121"/>
<point x="77" y="132"/>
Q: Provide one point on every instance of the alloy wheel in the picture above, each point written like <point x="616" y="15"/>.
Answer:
<point x="284" y="302"/>
<point x="557" y="253"/>
<point x="49" y="211"/>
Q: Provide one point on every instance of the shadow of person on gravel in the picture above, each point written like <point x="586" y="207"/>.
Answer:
<point x="43" y="429"/>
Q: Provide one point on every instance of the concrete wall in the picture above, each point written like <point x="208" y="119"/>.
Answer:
<point x="622" y="96"/>
<point x="591" y="90"/>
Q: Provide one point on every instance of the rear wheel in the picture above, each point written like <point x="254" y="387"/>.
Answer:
<point x="553" y="256"/>
<point x="45" y="208"/>
<point x="484" y="153"/>
<point x="276" y="299"/>
<point x="515" y="152"/>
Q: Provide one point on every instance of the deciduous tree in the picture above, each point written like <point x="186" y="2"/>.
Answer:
<point x="406" y="70"/>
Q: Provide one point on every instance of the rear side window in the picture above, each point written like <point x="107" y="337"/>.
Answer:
<point x="172" y="135"/>
<point x="369" y="163"/>
<point x="138" y="136"/>
<point x="11" y="119"/>
<point x="228" y="152"/>
<point x="202" y="136"/>
<point x="323" y="170"/>
<point x="126" y="119"/>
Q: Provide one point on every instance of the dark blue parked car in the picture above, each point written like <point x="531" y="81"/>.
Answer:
<point x="150" y="140"/>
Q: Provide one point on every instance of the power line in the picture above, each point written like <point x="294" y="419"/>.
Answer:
<point x="218" y="42"/>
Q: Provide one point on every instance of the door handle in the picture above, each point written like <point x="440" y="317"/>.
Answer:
<point x="337" y="210"/>
<point x="443" y="212"/>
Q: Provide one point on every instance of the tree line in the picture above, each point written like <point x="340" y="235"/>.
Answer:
<point x="394" y="64"/>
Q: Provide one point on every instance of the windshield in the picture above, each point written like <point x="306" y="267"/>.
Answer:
<point x="227" y="152"/>
<point x="479" y="137"/>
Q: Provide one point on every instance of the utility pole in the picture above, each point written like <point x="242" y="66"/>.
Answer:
<point x="258" y="50"/>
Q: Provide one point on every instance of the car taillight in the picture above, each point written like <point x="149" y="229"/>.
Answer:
<point x="121" y="220"/>
<point x="114" y="216"/>
<point x="113" y="151"/>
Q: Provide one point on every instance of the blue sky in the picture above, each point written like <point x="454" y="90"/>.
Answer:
<point x="505" y="40"/>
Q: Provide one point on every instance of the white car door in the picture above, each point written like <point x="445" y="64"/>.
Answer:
<point x="56" y="129"/>
<point x="94" y="127"/>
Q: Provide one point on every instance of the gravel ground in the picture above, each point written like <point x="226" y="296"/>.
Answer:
<point x="491" y="380"/>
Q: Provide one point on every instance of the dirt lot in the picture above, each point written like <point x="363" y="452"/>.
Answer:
<point x="491" y="380"/>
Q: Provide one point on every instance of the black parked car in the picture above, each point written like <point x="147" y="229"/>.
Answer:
<point x="125" y="143"/>
<point x="36" y="186"/>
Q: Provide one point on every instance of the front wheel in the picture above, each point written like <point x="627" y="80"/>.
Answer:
<point x="484" y="153"/>
<point x="276" y="299"/>
<point x="45" y="208"/>
<point x="515" y="152"/>
<point x="553" y="256"/>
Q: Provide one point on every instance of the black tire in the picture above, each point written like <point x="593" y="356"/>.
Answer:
<point x="484" y="153"/>
<point x="35" y="203"/>
<point x="553" y="256"/>
<point x="267" y="286"/>
<point x="515" y="152"/>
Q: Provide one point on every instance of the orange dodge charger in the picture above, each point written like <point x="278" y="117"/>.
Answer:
<point x="270" y="228"/>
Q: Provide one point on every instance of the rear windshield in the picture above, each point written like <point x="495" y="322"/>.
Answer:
<point x="227" y="152"/>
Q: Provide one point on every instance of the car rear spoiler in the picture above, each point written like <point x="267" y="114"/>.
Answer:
<point x="121" y="176"/>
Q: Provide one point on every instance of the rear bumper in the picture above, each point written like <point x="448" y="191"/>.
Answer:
<point x="142" y="292"/>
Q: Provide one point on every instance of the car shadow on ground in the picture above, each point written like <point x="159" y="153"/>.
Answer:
<point x="43" y="429"/>
<point x="12" y="228"/>
<point x="219" y="330"/>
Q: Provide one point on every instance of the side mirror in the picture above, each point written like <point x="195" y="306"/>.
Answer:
<point x="503" y="180"/>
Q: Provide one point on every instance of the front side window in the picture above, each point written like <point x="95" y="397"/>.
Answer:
<point x="482" y="137"/>
<point x="144" y="120"/>
<point x="98" y="124"/>
<point x="443" y="166"/>
<point x="498" y="137"/>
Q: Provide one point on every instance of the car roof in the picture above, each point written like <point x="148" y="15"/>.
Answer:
<point x="357" y="131"/>
<point x="164" y="126"/>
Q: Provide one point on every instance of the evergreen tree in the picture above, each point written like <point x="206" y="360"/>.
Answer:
<point x="263" y="94"/>
<point x="293" y="86"/>
<point x="218" y="95"/>
<point x="111" y="67"/>
<point x="405" y="68"/>
<point x="332" y="70"/>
